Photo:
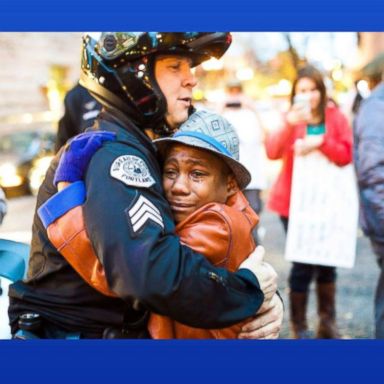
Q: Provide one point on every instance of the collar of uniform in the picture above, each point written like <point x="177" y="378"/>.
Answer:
<point x="127" y="126"/>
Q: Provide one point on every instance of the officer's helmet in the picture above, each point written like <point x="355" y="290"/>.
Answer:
<point x="118" y="68"/>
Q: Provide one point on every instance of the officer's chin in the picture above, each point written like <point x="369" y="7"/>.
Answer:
<point x="175" y="122"/>
<point x="191" y="110"/>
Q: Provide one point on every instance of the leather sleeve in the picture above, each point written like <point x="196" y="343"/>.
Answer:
<point x="208" y="234"/>
<point x="214" y="230"/>
<point x="69" y="236"/>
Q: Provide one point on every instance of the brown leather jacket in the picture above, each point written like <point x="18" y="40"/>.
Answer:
<point x="221" y="232"/>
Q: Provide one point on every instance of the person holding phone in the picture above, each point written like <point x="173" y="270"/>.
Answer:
<point x="313" y="122"/>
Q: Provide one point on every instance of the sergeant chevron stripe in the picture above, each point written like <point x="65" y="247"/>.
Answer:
<point x="142" y="211"/>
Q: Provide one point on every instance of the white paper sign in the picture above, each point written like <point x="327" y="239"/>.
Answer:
<point x="323" y="216"/>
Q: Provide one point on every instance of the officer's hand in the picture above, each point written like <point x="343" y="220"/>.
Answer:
<point x="267" y="323"/>
<point x="264" y="272"/>
<point x="78" y="153"/>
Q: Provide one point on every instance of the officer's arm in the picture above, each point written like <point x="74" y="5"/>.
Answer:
<point x="132" y="232"/>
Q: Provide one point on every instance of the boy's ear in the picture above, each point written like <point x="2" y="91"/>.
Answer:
<point x="232" y="186"/>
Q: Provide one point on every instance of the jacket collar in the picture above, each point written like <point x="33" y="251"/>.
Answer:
<point x="128" y="130"/>
<point x="237" y="201"/>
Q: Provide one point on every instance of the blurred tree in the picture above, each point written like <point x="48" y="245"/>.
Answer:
<point x="292" y="52"/>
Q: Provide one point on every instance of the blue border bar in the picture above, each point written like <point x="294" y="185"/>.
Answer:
<point x="227" y="361"/>
<point x="203" y="15"/>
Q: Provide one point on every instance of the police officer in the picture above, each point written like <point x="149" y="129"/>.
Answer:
<point x="80" y="112"/>
<point x="144" y="82"/>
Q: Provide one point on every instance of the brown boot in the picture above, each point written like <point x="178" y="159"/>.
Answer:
<point x="326" y="295"/>
<point x="298" y="311"/>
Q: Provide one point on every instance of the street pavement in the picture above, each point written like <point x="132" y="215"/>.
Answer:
<point x="355" y="286"/>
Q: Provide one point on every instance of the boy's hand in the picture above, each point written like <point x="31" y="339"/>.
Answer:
<point x="78" y="153"/>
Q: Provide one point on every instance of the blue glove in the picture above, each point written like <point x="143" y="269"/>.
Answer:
<point x="78" y="153"/>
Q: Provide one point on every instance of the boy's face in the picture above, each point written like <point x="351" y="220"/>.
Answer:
<point x="192" y="178"/>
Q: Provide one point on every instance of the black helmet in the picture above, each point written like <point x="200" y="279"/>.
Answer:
<point x="118" y="68"/>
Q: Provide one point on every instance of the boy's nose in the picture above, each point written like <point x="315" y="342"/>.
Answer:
<point x="180" y="186"/>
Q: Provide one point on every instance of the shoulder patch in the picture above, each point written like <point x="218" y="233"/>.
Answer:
<point x="133" y="171"/>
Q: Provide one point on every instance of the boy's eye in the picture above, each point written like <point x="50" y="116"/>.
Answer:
<point x="198" y="174"/>
<point x="170" y="173"/>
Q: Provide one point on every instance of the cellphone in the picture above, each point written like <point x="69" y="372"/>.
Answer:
<point x="303" y="99"/>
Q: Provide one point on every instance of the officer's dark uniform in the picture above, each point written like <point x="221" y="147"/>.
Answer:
<point x="80" y="112"/>
<point x="132" y="231"/>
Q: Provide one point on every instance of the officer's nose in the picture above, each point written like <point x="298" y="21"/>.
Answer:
<point x="189" y="80"/>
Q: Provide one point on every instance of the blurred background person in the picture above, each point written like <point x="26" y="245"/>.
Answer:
<point x="357" y="100"/>
<point x="3" y="205"/>
<point x="80" y="111"/>
<point x="353" y="99"/>
<point x="240" y="111"/>
<point x="369" y="163"/>
<point x="336" y="144"/>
